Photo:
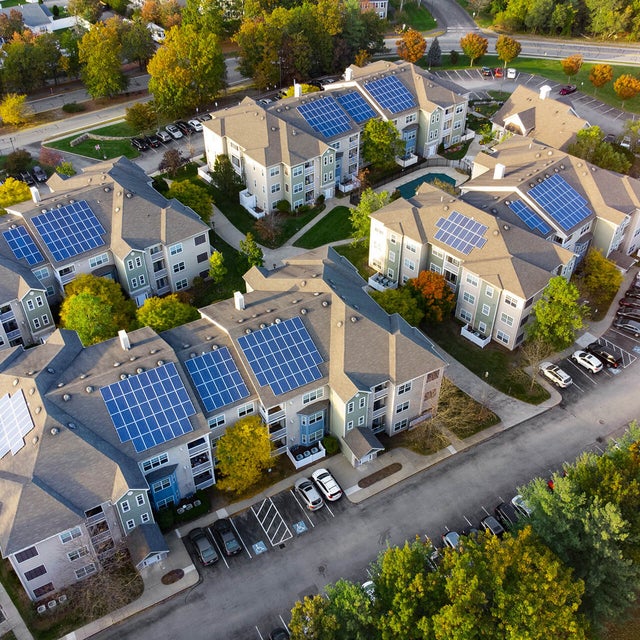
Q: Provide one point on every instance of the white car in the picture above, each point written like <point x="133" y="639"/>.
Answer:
<point x="587" y="361"/>
<point x="555" y="374"/>
<point x="309" y="494"/>
<point x="327" y="485"/>
<point x="173" y="131"/>
<point x="164" y="136"/>
<point x="511" y="73"/>
<point x="521" y="506"/>
<point x="196" y="125"/>
<point x="451" y="539"/>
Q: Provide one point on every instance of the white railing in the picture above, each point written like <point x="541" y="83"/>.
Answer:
<point x="307" y="456"/>
<point x="407" y="160"/>
<point x="475" y="336"/>
<point x="380" y="283"/>
<point x="250" y="203"/>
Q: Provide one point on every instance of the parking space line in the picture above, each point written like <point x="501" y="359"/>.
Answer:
<point x="215" y="542"/>
<point x="259" y="634"/>
<point x="584" y="373"/>
<point x="281" y="526"/>
<point x="302" y="508"/>
<point x="326" y="504"/>
<point x="284" y="624"/>
<point x="241" y="540"/>
<point x="578" y="387"/>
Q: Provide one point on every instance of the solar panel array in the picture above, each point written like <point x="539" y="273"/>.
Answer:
<point x="325" y="116"/>
<point x="22" y="245"/>
<point x="217" y="379"/>
<point x="529" y="217"/>
<point x="150" y="408"/>
<point x="461" y="233"/>
<point x="282" y="355"/>
<point x="69" y="230"/>
<point x="563" y="203"/>
<point x="391" y="94"/>
<point x="356" y="106"/>
<point x="15" y="423"/>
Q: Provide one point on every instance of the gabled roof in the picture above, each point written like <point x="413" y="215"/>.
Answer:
<point x="362" y="441"/>
<point x="15" y="280"/>
<point x="33" y="15"/>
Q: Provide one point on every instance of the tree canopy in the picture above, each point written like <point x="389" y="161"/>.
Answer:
<point x="359" y="216"/>
<point x="194" y="196"/>
<point x="15" y="110"/>
<point x="626" y="87"/>
<point x="571" y="65"/>
<point x="13" y="191"/>
<point x="600" y="278"/>
<point x="251" y="251"/>
<point x="217" y="269"/>
<point x="381" y="142"/>
<point x="225" y="177"/>
<point x="411" y="45"/>
<point x="435" y="296"/>
<point x="507" y="48"/>
<point x="401" y="301"/>
<point x="600" y="75"/>
<point x="591" y="146"/>
<point x="474" y="46"/>
<point x="165" y="313"/>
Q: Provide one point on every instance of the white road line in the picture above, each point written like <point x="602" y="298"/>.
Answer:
<point x="578" y="387"/>
<point x="258" y="630"/>
<point x="260" y="522"/>
<point x="220" y="551"/>
<point x="284" y="624"/>
<point x="326" y="504"/>
<point x="241" y="540"/>
<point x="305" y="511"/>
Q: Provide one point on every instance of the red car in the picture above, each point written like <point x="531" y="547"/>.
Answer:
<point x="498" y="72"/>
<point x="568" y="89"/>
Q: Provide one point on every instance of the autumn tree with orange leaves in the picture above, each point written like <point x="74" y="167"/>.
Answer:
<point x="600" y="74"/>
<point x="571" y="65"/>
<point x="626" y="87"/>
<point x="474" y="46"/>
<point x="411" y="46"/>
<point x="434" y="294"/>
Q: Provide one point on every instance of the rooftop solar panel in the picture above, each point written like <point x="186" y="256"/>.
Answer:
<point x="15" y="423"/>
<point x="69" y="230"/>
<point x="391" y="94"/>
<point x="217" y="379"/>
<point x="563" y="203"/>
<point x="282" y="355"/>
<point x="356" y="106"/>
<point x="461" y="233"/>
<point x="325" y="116"/>
<point x="22" y="245"/>
<point x="529" y="217"/>
<point x="150" y="408"/>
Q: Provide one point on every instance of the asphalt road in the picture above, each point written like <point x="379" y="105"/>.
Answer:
<point x="245" y="600"/>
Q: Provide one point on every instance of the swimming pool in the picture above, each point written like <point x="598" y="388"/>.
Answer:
<point x="408" y="189"/>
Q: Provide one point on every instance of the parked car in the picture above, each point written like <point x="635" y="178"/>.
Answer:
<point x="265" y="101"/>
<point x="498" y="72"/>
<point x="327" y="485"/>
<point x="605" y="354"/>
<point x="610" y="138"/>
<point x="183" y="127"/>
<point x="489" y="523"/>
<point x="39" y="174"/>
<point x="139" y="144"/>
<point x="226" y="537"/>
<point x="587" y="361"/>
<point x="511" y="73"/>
<point x="204" y="117"/>
<point x="173" y="131"/>
<point x="25" y="176"/>
<point x="451" y="539"/>
<point x="154" y="141"/>
<point x="625" y="143"/>
<point x="628" y="312"/>
<point x="506" y="514"/>
<point x="521" y="506"/>
<point x="164" y="136"/>
<point x="632" y="293"/>
<point x="370" y="589"/>
<point x="486" y="72"/>
<point x="634" y="303"/>
<point x="567" y="89"/>
<point x="195" y="125"/>
<point x="555" y="374"/>
<point x="309" y="494"/>
<point x="203" y="546"/>
<point x="279" y="634"/>
<point x="628" y="325"/>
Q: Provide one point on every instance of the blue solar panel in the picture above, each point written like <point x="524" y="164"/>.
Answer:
<point x="529" y="217"/>
<point x="22" y="245"/>
<point x="325" y="116"/>
<point x="150" y="408"/>
<point x="562" y="202"/>
<point x="282" y="355"/>
<point x="461" y="233"/>
<point x="356" y="106"/>
<point x="69" y="230"/>
<point x="391" y="94"/>
<point x="217" y="379"/>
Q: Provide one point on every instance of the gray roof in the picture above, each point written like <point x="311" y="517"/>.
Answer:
<point x="362" y="441"/>
<point x="145" y="540"/>
<point x="33" y="14"/>
<point x="15" y="280"/>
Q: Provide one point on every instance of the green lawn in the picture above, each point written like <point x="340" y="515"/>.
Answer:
<point x="121" y="129"/>
<point x="334" y="226"/>
<point x="419" y="18"/>
<point x="358" y="256"/>
<point x="108" y="148"/>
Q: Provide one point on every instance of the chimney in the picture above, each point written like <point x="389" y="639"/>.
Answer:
<point x="124" y="340"/>
<point x="348" y="74"/>
<point x="238" y="300"/>
<point x="35" y="194"/>
<point x="297" y="89"/>
<point x="498" y="171"/>
<point x="545" y="91"/>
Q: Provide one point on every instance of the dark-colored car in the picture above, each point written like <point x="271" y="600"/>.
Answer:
<point x="629" y="302"/>
<point x="226" y="537"/>
<point x="605" y="354"/>
<point x="203" y="546"/>
<point x="153" y="141"/>
<point x="489" y="523"/>
<point x="279" y="634"/>
<point x="632" y="293"/>
<point x="627" y="312"/>
<point x="25" y="176"/>
<point x="567" y="89"/>
<point x="204" y="117"/>
<point x="486" y="72"/>
<point x="506" y="514"/>
<point x="139" y="144"/>
<point x="39" y="174"/>
<point x="628" y="325"/>
<point x="185" y="129"/>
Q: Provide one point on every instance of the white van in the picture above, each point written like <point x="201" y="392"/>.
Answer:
<point x="511" y="73"/>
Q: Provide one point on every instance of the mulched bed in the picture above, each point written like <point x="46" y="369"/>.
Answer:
<point x="383" y="473"/>
<point x="172" y="576"/>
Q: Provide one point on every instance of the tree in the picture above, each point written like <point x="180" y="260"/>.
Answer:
<point x="411" y="46"/>
<point x="362" y="58"/>
<point x="70" y="49"/>
<point x="571" y="65"/>
<point x="17" y="161"/>
<point x="400" y="301"/>
<point x="66" y="169"/>
<point x="251" y="251"/>
<point x="88" y="10"/>
<point x="23" y="68"/>
<point x="359" y="216"/>
<point x="381" y="142"/>
<point x="244" y="452"/>
<point x="204" y="15"/>
<point x="304" y="88"/>
<point x="600" y="277"/>
<point x="507" y="48"/>
<point x="626" y="87"/>
<point x="187" y="71"/>
<point x="165" y="313"/>
<point x="141" y="116"/>
<point x="47" y="46"/>
<point x="15" y="110"/>
<point x="591" y="146"/>
<point x="474" y="46"/>
<point x="534" y="351"/>
<point x="312" y="619"/>
<point x="217" y="270"/>
<point x="49" y="157"/>
<point x="13" y="191"/>
<point x="600" y="75"/>
<point x="434" y="54"/>
<point x="137" y="43"/>
<point x="194" y="196"/>
<point x="557" y="314"/>
<point x="100" y="54"/>
<point x="10" y="24"/>
<point x="225" y="177"/>
<point x="437" y="299"/>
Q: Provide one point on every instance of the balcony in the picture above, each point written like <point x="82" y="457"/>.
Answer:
<point x="349" y="184"/>
<point x="407" y="160"/>
<point x="273" y="414"/>
<point x="95" y="519"/>
<point x="301" y="456"/>
<point x="308" y="169"/>
<point x="250" y="203"/>
<point x="378" y="282"/>
<point x="277" y="435"/>
<point x="8" y="315"/>
<point x="475" y="336"/>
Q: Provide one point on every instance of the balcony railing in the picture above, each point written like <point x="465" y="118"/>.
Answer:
<point x="380" y="283"/>
<point x="407" y="160"/>
<point x="277" y="435"/>
<point x="9" y="315"/>
<point x="249" y="201"/>
<point x="302" y="456"/>
<point x="100" y="537"/>
<point x="475" y="336"/>
<point x="272" y="416"/>
<point x="99" y="517"/>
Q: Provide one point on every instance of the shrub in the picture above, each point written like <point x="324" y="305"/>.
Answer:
<point x="454" y="56"/>
<point x="165" y="518"/>
<point x="160" y="184"/>
<point x="17" y="161"/>
<point x="73" y="107"/>
<point x="283" y="206"/>
<point x="55" y="10"/>
<point x="331" y="444"/>
<point x="320" y="200"/>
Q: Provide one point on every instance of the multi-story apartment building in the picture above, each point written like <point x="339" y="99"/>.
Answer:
<point x="309" y="145"/>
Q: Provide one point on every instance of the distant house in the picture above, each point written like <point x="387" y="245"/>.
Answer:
<point x="380" y="7"/>
<point x="38" y="18"/>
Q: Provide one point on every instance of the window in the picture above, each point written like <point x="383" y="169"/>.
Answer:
<point x="165" y="483"/>
<point x="76" y="554"/>
<point x="459" y="108"/>
<point x="154" y="463"/>
<point x="403" y="406"/>
<point x="393" y="239"/>
<point x="31" y="552"/>
<point x="85" y="571"/>
<point x="350" y="407"/>
<point x="275" y="188"/>
<point x="175" y="249"/>
<point x="467" y="297"/>
<point x="392" y="256"/>
<point x="297" y="188"/>
<point x="433" y="375"/>
<point x="145" y="517"/>
<point x="35" y="573"/>
<point x="216" y="421"/>
<point x="141" y="280"/>
<point x="41" y="273"/>
<point x="436" y="253"/>
<point x="297" y="171"/>
<point x="391" y="274"/>
<point x="203" y="257"/>
<point x="245" y="409"/>
<point x="402" y="424"/>
<point x="435" y="268"/>
<point x="134" y="283"/>
<point x="125" y="506"/>
<point x="412" y="117"/>
<point x="360" y="421"/>
<point x="512" y="302"/>
<point x="274" y="171"/>
<point x="67" y="271"/>
<point x="44" y="589"/>
<point x="502" y="336"/>
<point x="362" y="403"/>
<point x="312" y="396"/>
<point x="488" y="292"/>
<point x="140" y="499"/>
<point x="482" y="327"/>
<point x="486" y="309"/>
<point x="409" y="264"/>
<point x="131" y="524"/>
<point x="349" y="425"/>
<point x="30" y="305"/>
<point x="411" y="247"/>
<point x="404" y="388"/>
<point x="507" y="319"/>
<point x="70" y="535"/>
<point x="200" y="239"/>
<point x="182" y="284"/>
<point x="96" y="261"/>
<point x="465" y="315"/>
<point x="472" y="280"/>
<point x="130" y="265"/>
<point x="178" y="267"/>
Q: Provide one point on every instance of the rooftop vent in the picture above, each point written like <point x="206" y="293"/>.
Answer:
<point x="192" y="354"/>
<point x="107" y="189"/>
<point x="124" y="340"/>
<point x="354" y="319"/>
<point x="247" y="331"/>
<point x="54" y="431"/>
<point x="160" y="363"/>
<point x="50" y="370"/>
<point x="277" y="321"/>
<point x="60" y="384"/>
<point x="325" y="303"/>
<point x="89" y="389"/>
<point x="263" y="325"/>
<point x="140" y="370"/>
<point x="123" y="376"/>
<point x="72" y="426"/>
<point x="116" y="364"/>
<point x="66" y="397"/>
<point x="35" y="440"/>
<point x="129" y="194"/>
<point x="303" y="312"/>
<point x="339" y="324"/>
<point x="238" y="300"/>
<point x="38" y="410"/>
<point x="214" y="347"/>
